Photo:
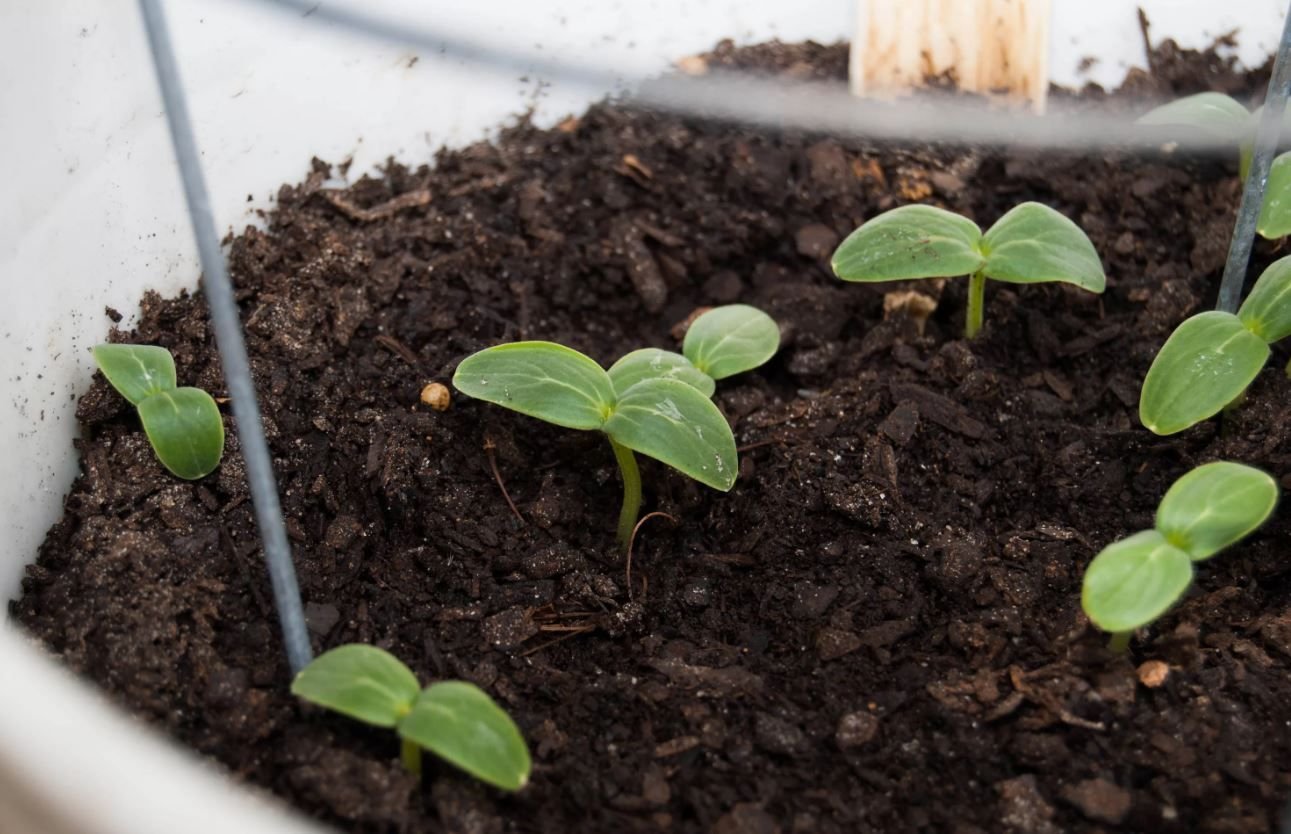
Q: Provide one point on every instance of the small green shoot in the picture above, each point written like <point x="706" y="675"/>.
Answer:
<point x="654" y="402"/>
<point x="1134" y="581"/>
<point x="182" y="424"/>
<point x="1211" y="359"/>
<point x="1031" y="244"/>
<point x="1224" y="119"/>
<point x="455" y="720"/>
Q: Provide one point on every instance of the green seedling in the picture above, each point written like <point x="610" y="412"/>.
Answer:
<point x="1134" y="581"/>
<point x="1210" y="359"/>
<point x="455" y="720"/>
<point x="651" y="401"/>
<point x="182" y="424"/>
<point x="1225" y="120"/>
<point x="1031" y="244"/>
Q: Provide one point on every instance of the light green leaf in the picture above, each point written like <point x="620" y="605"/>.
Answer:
<point x="730" y="340"/>
<point x="1266" y="312"/>
<point x="1205" y="364"/>
<point x="1134" y="581"/>
<point x="910" y="242"/>
<point x="672" y="422"/>
<point x="541" y="379"/>
<point x="185" y="429"/>
<point x="461" y="724"/>
<point x="1032" y="244"/>
<point x="363" y="682"/>
<point x="136" y="371"/>
<point x="1275" y="214"/>
<point x="1215" y="114"/>
<point x="1214" y="506"/>
<point x="652" y="363"/>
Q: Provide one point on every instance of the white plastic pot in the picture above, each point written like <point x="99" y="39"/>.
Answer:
<point x="92" y="215"/>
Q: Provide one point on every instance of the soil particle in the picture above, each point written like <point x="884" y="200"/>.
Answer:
<point x="1099" y="799"/>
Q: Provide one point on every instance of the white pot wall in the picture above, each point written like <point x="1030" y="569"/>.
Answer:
<point x="92" y="215"/>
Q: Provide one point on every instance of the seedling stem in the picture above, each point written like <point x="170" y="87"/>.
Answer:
<point x="976" y="304"/>
<point x="1120" y="642"/>
<point x="631" y="492"/>
<point x="410" y="756"/>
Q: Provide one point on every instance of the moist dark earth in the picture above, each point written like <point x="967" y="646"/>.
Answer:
<point x="878" y="629"/>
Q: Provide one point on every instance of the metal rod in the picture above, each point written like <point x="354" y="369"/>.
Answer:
<point x="780" y="104"/>
<point x="228" y="338"/>
<point x="1266" y="144"/>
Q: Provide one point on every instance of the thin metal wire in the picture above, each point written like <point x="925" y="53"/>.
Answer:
<point x="228" y="338"/>
<point x="1266" y="144"/>
<point x="776" y="103"/>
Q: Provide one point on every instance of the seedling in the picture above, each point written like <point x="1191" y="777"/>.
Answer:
<point x="1031" y="244"/>
<point x="652" y="401"/>
<point x="1210" y="359"/>
<point x="1134" y="581"/>
<point x="182" y="424"/>
<point x="455" y="720"/>
<point x="1224" y="119"/>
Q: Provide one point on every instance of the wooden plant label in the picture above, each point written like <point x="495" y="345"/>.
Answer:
<point x="999" y="47"/>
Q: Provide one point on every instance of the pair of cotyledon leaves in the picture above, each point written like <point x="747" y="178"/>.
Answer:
<point x="455" y="720"/>
<point x="651" y="401"/>
<point x="1030" y="244"/>
<point x="182" y="424"/>
<point x="1225" y="119"/>
<point x="1212" y="357"/>
<point x="1135" y="580"/>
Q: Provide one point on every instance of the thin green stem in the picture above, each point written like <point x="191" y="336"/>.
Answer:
<point x="410" y="756"/>
<point x="976" y="305"/>
<point x="1120" y="642"/>
<point x="631" y="492"/>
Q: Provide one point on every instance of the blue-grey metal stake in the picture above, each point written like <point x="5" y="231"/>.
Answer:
<point x="233" y="351"/>
<point x="1266" y="144"/>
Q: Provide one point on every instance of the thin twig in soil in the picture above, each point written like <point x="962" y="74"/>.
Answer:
<point x="412" y="199"/>
<point x="562" y="638"/>
<point x="398" y="348"/>
<point x="774" y="441"/>
<point x="633" y="540"/>
<point x="489" y="446"/>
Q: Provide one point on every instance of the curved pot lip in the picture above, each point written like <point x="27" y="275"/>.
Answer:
<point x="73" y="763"/>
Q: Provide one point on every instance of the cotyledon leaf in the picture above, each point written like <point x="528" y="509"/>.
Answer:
<point x="185" y="429"/>
<point x="651" y="363"/>
<point x="1275" y="214"/>
<point x="1032" y="243"/>
<point x="1214" y="506"/>
<point x="1266" y="312"/>
<point x="461" y="724"/>
<point x="1133" y="581"/>
<point x="731" y="339"/>
<point x="913" y="241"/>
<point x="1206" y="363"/>
<point x="541" y="379"/>
<point x="1215" y="114"/>
<point x="672" y="422"/>
<point x="363" y="682"/>
<point x="136" y="371"/>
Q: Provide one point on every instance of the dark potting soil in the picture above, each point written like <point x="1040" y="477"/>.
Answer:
<point x="878" y="629"/>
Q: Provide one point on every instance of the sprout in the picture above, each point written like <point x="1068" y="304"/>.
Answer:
<point x="651" y="401"/>
<point x="182" y="424"/>
<point x="1210" y="359"/>
<point x="1222" y="118"/>
<point x="455" y="720"/>
<point x="1134" y="581"/>
<point x="1031" y="244"/>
